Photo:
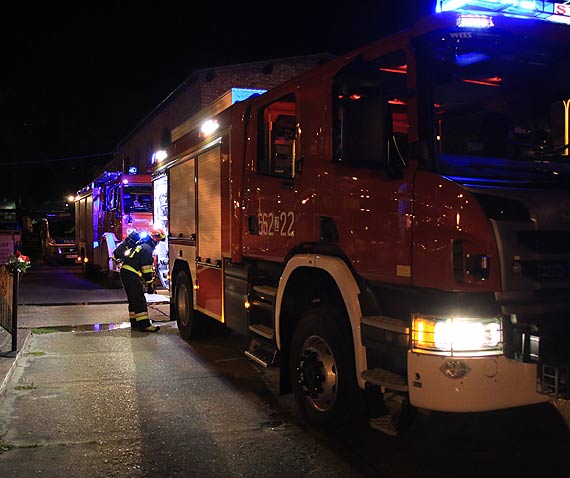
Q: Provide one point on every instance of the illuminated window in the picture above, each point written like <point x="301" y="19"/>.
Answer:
<point x="277" y="138"/>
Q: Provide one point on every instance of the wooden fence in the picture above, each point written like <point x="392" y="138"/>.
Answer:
<point x="9" y="304"/>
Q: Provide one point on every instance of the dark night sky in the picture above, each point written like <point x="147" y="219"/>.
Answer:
<point x="76" y="79"/>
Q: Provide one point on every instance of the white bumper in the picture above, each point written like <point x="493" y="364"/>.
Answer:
<point x="492" y="383"/>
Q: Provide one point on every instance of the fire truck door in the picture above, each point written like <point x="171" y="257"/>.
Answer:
<point x="209" y="235"/>
<point x="273" y="184"/>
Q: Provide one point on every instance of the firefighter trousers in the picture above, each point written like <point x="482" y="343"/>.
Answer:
<point x="138" y="311"/>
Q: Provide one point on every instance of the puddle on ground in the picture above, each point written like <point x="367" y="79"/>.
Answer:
<point x="83" y="328"/>
<point x="272" y="424"/>
<point x="87" y="327"/>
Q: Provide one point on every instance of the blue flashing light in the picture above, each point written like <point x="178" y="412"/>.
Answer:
<point x="133" y="170"/>
<point x="95" y="244"/>
<point x="532" y="9"/>
<point x="143" y="234"/>
<point x="241" y="94"/>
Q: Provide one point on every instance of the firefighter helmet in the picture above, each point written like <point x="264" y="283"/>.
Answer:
<point x="157" y="234"/>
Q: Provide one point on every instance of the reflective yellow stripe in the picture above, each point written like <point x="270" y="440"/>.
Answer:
<point x="140" y="317"/>
<point x="146" y="269"/>
<point x="129" y="268"/>
<point x="135" y="251"/>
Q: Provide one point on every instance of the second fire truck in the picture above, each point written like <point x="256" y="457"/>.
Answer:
<point x="107" y="210"/>
<point x="398" y="217"/>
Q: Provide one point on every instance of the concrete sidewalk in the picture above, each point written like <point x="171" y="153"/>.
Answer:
<point x="84" y="317"/>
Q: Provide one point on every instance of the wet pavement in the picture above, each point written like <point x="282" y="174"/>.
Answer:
<point x="62" y="297"/>
<point x="88" y="397"/>
<point x="127" y="404"/>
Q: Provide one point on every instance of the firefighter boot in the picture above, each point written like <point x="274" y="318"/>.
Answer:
<point x="145" y="326"/>
<point x="150" y="328"/>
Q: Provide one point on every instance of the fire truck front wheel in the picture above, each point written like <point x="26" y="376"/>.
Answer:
<point x="185" y="314"/>
<point x="322" y="369"/>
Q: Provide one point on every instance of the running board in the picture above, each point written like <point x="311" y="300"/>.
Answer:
<point x="262" y="330"/>
<point x="386" y="379"/>
<point x="262" y="354"/>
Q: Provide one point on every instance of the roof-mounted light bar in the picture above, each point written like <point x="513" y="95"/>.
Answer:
<point x="533" y="9"/>
<point x="474" y="21"/>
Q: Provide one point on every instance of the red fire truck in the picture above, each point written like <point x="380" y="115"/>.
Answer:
<point x="106" y="211"/>
<point x="397" y="219"/>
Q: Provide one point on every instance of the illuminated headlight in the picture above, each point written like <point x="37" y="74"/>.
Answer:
<point x="457" y="336"/>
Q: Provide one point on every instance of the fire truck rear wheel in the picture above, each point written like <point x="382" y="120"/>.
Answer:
<point x="322" y="368"/>
<point x="185" y="315"/>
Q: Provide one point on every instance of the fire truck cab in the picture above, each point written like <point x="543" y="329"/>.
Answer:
<point x="395" y="219"/>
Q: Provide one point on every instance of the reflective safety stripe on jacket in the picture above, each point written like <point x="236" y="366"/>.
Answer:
<point x="129" y="268"/>
<point x="140" y="261"/>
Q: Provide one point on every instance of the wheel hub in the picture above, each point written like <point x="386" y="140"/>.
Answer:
<point x="318" y="373"/>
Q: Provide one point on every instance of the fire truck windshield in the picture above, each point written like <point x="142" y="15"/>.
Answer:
<point x="137" y="199"/>
<point x="62" y="227"/>
<point x="501" y="107"/>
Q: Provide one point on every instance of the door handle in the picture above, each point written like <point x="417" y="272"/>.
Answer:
<point x="252" y="224"/>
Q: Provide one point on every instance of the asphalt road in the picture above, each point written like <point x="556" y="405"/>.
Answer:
<point x="99" y="400"/>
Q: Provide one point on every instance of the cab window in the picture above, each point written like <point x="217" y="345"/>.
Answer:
<point x="370" y="112"/>
<point x="111" y="198"/>
<point x="277" y="138"/>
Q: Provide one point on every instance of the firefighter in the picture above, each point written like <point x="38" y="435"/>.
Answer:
<point x="136" y="266"/>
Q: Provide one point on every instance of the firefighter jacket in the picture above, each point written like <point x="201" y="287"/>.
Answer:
<point x="140" y="260"/>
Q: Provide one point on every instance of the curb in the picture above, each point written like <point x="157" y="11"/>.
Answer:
<point x="23" y="347"/>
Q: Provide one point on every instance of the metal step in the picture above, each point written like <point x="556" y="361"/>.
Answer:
<point x="264" y="293"/>
<point x="387" y="323"/>
<point x="262" y="330"/>
<point x="262" y="354"/>
<point x="386" y="379"/>
<point x="265" y="290"/>
<point x="265" y="306"/>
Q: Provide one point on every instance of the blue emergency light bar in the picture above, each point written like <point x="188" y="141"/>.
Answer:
<point x="240" y="94"/>
<point x="534" y="9"/>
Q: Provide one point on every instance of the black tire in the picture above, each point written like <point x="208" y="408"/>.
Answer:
<point x="88" y="268"/>
<point x="322" y="369"/>
<point x="186" y="317"/>
<point x="83" y="264"/>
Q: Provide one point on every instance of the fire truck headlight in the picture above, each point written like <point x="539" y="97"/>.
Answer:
<point x="457" y="336"/>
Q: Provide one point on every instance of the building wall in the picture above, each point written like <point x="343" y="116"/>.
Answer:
<point x="199" y="90"/>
